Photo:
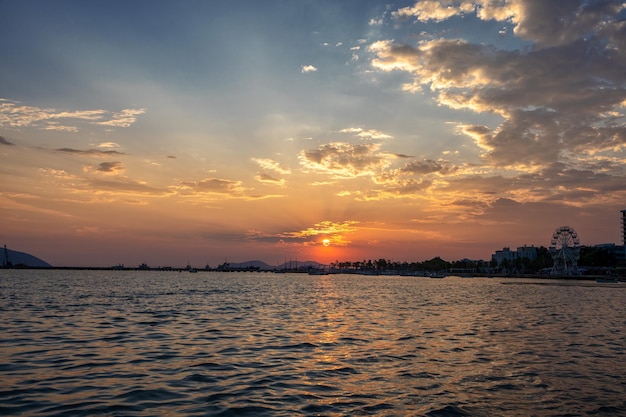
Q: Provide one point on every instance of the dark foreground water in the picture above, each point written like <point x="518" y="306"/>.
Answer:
<point x="167" y="344"/>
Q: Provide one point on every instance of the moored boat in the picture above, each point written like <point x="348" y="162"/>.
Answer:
<point x="607" y="280"/>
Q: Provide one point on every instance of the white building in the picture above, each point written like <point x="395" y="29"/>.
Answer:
<point x="528" y="252"/>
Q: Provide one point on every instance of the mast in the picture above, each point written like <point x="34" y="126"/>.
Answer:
<point x="7" y="261"/>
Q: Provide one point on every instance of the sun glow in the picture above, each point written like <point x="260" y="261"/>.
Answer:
<point x="326" y="242"/>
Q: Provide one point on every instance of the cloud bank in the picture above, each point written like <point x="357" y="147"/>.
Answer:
<point x="16" y="115"/>
<point x="564" y="94"/>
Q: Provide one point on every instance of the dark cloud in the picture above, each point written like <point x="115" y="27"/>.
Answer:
<point x="110" y="167"/>
<point x="265" y="177"/>
<point x="480" y="187"/>
<point x="124" y="185"/>
<point x="344" y="159"/>
<point x="557" y="183"/>
<point x="414" y="178"/>
<point x="404" y="187"/>
<point x="276" y="238"/>
<point x="426" y="166"/>
<point x="3" y="141"/>
<point x="214" y="185"/>
<point x="574" y="183"/>
<point x="89" y="151"/>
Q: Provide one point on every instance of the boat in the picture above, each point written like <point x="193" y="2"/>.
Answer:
<point x="607" y="280"/>
<point x="317" y="271"/>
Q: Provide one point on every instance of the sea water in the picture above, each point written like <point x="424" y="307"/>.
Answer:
<point x="143" y="343"/>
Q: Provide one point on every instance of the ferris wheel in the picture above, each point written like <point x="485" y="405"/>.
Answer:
<point x="565" y="251"/>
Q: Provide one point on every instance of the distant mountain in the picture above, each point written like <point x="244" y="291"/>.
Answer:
<point x="251" y="264"/>
<point x="18" y="259"/>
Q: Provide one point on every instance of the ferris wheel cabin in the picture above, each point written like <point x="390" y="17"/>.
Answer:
<point x="624" y="228"/>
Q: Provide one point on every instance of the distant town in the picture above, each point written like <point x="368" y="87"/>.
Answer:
<point x="565" y="257"/>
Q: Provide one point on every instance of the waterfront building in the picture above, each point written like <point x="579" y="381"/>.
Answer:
<point x="616" y="250"/>
<point x="522" y="252"/>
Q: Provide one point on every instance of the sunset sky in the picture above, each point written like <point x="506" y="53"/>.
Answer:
<point x="169" y="132"/>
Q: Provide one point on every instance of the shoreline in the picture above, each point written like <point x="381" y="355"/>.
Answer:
<point x="619" y="278"/>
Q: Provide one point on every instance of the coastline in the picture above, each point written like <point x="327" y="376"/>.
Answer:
<point x="619" y="278"/>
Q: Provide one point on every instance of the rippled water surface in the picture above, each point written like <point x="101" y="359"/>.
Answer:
<point x="121" y="343"/>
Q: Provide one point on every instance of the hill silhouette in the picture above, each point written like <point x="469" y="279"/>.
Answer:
<point x="17" y="259"/>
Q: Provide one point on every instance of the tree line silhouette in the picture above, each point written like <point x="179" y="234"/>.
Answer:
<point x="589" y="256"/>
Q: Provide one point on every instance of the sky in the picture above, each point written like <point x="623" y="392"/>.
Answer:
<point x="171" y="132"/>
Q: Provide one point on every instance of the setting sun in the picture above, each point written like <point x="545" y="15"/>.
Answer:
<point x="326" y="242"/>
